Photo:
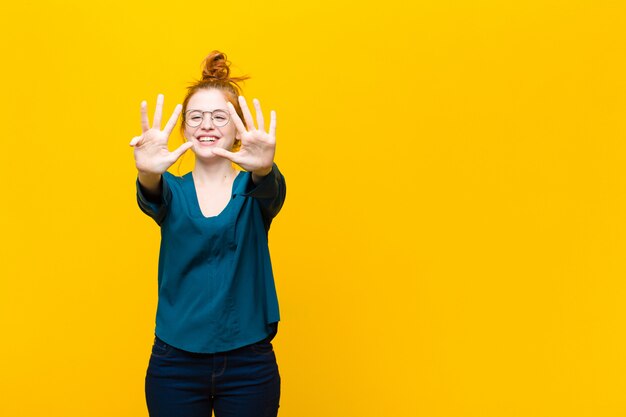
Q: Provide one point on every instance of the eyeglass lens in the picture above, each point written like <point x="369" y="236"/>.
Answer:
<point x="219" y="118"/>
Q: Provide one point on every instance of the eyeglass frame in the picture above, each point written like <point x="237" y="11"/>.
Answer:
<point x="211" y="113"/>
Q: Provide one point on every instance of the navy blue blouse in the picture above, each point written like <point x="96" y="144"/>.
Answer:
<point x="216" y="286"/>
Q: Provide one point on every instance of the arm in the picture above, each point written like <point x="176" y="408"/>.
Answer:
<point x="267" y="184"/>
<point x="155" y="206"/>
<point x="153" y="158"/>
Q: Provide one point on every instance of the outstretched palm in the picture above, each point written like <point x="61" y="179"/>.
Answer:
<point x="151" y="152"/>
<point x="258" y="147"/>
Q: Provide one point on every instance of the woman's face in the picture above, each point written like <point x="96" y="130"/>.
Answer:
<point x="206" y="136"/>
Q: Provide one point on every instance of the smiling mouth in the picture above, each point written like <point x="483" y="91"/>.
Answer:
<point x="207" y="139"/>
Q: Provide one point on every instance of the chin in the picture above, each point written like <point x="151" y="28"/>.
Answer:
<point x="206" y="154"/>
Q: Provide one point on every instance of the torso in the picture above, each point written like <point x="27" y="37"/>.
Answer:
<point x="215" y="271"/>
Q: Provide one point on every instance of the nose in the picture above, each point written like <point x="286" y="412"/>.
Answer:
<point x="207" y="121"/>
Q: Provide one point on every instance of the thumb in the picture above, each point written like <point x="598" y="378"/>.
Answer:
<point x="135" y="141"/>
<point x="182" y="149"/>
<point x="232" y="156"/>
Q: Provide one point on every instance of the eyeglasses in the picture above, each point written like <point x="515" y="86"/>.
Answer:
<point x="194" y="118"/>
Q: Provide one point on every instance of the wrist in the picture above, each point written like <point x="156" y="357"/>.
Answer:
<point x="150" y="181"/>
<point x="259" y="174"/>
<point x="262" y="172"/>
<point x="150" y="176"/>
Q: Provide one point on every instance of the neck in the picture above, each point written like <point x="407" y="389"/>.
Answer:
<point x="216" y="171"/>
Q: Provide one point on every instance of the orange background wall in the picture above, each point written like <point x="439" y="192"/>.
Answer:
<point x="454" y="233"/>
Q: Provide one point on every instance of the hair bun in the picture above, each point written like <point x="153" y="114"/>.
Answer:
<point x="215" y="67"/>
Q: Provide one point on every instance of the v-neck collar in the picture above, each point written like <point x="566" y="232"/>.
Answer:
<point x="196" y="202"/>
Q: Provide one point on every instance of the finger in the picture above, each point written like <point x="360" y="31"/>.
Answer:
<point x="235" y="117"/>
<point x="231" y="156"/>
<point x="145" y="124"/>
<point x="247" y="116"/>
<point x="173" y="119"/>
<point x="157" y="112"/>
<point x="178" y="152"/>
<point x="259" y="115"/>
<point x="273" y="124"/>
<point x="135" y="141"/>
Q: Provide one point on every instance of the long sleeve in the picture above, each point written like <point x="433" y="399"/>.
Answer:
<point x="270" y="193"/>
<point x="157" y="209"/>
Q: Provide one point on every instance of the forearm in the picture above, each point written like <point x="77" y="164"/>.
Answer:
<point x="151" y="183"/>
<point x="269" y="192"/>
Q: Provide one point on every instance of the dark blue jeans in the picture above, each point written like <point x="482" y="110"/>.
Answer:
<point x="239" y="383"/>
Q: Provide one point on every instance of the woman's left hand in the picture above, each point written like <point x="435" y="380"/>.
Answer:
<point x="258" y="147"/>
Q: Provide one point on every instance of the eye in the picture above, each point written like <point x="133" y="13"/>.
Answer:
<point x="220" y="116"/>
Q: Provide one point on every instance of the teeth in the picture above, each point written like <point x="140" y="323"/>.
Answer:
<point x="207" y="140"/>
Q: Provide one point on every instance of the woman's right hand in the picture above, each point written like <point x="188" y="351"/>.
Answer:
<point x="152" y="156"/>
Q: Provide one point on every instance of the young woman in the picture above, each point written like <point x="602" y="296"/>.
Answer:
<point x="217" y="310"/>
